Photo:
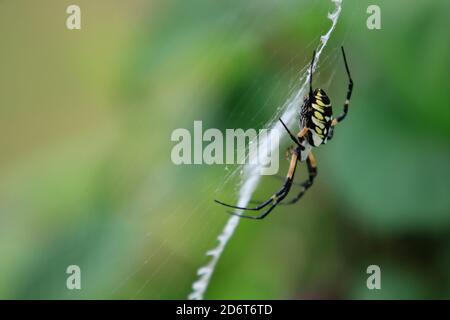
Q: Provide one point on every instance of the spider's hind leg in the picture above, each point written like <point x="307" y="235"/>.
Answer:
<point x="275" y="199"/>
<point x="312" y="170"/>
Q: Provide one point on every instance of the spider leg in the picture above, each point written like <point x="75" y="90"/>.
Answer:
<point x="280" y="177"/>
<point x="312" y="170"/>
<point x="258" y="202"/>
<point x="349" y="93"/>
<point x="300" y="135"/>
<point x="258" y="217"/>
<point x="291" y="135"/>
<point x="275" y="199"/>
<point x="259" y="207"/>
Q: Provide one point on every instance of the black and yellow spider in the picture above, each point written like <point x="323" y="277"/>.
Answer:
<point x="317" y="126"/>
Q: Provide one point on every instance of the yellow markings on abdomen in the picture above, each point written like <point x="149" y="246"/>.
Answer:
<point x="318" y="115"/>
<point x="320" y="103"/>
<point x="317" y="107"/>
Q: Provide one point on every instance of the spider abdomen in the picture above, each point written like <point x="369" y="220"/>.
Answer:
<point x="318" y="116"/>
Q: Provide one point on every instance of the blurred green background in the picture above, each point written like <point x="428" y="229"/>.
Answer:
<point x="85" y="170"/>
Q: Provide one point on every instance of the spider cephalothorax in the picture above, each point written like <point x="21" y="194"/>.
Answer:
<point x="316" y="127"/>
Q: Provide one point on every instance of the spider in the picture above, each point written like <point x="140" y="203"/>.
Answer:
<point x="317" y="127"/>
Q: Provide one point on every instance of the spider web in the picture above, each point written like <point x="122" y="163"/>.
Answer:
<point x="251" y="174"/>
<point x="162" y="253"/>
